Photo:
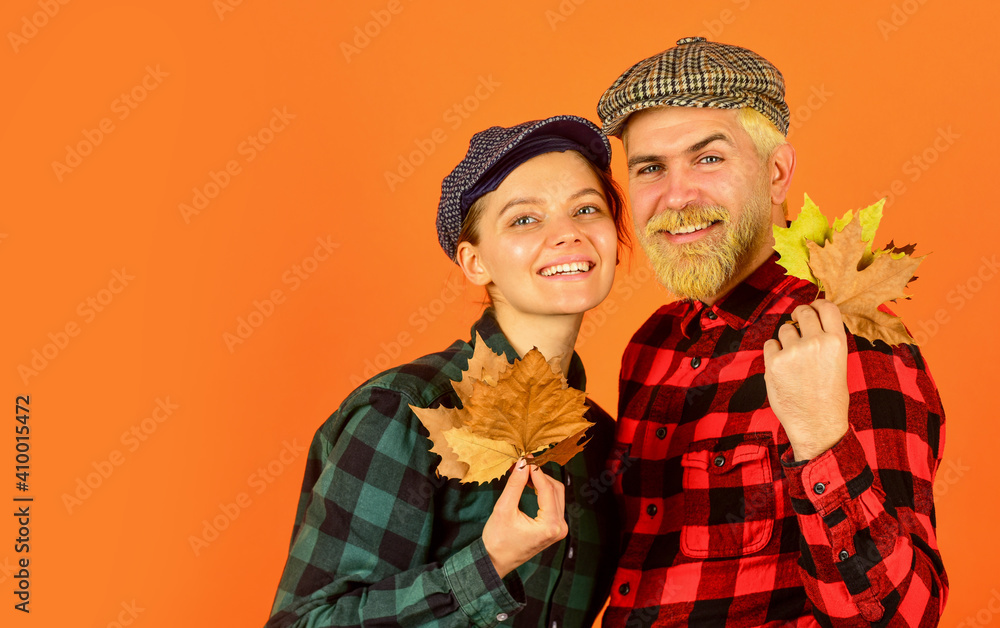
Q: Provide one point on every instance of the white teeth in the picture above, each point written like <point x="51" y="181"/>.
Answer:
<point x="572" y="267"/>
<point x="690" y="229"/>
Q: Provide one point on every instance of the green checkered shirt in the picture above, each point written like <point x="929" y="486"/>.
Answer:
<point x="380" y="540"/>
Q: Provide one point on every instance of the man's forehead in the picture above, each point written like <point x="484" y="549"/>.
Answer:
<point x="669" y="125"/>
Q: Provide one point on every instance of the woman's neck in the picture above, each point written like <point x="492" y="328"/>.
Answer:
<point x="553" y="335"/>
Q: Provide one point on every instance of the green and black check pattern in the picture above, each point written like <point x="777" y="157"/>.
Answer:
<point x="380" y="540"/>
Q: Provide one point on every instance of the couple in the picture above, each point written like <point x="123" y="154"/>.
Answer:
<point x="765" y="473"/>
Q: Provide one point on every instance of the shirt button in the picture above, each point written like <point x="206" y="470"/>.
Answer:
<point x="651" y="510"/>
<point x="502" y="617"/>
<point x="661" y="433"/>
<point x="719" y="460"/>
<point x="569" y="554"/>
<point x="819" y="488"/>
<point x="712" y="315"/>
<point x="623" y="589"/>
<point x="843" y="555"/>
<point x="695" y="362"/>
<point x="569" y="480"/>
<point x="555" y="624"/>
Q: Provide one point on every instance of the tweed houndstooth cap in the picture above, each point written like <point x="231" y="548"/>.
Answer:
<point x="696" y="73"/>
<point x="488" y="147"/>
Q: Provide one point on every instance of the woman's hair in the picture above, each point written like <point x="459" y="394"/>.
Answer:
<point x="612" y="193"/>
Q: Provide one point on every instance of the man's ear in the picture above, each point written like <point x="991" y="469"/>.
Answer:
<point x="782" y="165"/>
<point x="471" y="263"/>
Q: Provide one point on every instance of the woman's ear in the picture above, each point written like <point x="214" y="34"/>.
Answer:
<point x="471" y="263"/>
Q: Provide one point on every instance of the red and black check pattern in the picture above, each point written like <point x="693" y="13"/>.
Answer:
<point x="722" y="527"/>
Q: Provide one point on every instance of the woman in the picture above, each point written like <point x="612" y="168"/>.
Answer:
<point x="533" y="215"/>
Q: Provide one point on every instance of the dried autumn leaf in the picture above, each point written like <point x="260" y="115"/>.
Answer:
<point x="859" y="293"/>
<point x="438" y="421"/>
<point x="529" y="405"/>
<point x="508" y="411"/>
<point x="484" y="365"/>
<point x="869" y="218"/>
<point x="487" y="458"/>
<point x="564" y="451"/>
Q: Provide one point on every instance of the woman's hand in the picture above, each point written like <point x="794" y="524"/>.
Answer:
<point x="512" y="537"/>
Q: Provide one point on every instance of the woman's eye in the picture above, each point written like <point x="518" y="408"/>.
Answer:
<point x="589" y="209"/>
<point x="523" y="220"/>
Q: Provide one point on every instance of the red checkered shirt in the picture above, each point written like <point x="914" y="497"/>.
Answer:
<point x="723" y="527"/>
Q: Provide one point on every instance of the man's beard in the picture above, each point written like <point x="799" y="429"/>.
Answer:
<point x="699" y="270"/>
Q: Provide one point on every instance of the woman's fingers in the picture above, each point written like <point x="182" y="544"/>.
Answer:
<point x="547" y="490"/>
<point x="510" y="497"/>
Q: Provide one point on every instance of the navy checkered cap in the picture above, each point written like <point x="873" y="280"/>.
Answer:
<point x="487" y="148"/>
<point x="696" y="73"/>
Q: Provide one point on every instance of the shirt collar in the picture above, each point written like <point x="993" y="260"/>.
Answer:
<point x="488" y="327"/>
<point x="745" y="303"/>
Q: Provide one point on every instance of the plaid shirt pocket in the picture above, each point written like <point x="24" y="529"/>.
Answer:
<point x="729" y="496"/>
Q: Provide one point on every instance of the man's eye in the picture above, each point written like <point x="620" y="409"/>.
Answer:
<point x="711" y="159"/>
<point x="649" y="169"/>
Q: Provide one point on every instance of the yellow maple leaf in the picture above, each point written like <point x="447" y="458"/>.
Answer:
<point x="859" y="293"/>
<point x="790" y="241"/>
<point x="508" y="412"/>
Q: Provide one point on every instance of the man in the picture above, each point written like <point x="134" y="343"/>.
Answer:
<point x="771" y="474"/>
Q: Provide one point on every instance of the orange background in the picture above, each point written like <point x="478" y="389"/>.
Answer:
<point x="883" y="93"/>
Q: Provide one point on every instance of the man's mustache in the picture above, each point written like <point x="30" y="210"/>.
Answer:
<point x="676" y="220"/>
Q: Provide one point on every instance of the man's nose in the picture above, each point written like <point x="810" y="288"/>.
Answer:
<point x="678" y="189"/>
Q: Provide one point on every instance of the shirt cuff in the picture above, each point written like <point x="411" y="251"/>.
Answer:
<point x="823" y="484"/>
<point x="483" y="595"/>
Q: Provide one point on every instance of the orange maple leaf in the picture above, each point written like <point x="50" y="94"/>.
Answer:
<point x="508" y="411"/>
<point x="858" y="294"/>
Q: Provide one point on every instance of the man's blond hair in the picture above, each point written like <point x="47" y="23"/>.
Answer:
<point x="766" y="137"/>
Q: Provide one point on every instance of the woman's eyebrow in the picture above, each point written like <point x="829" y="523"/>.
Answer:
<point x="519" y="201"/>
<point x="586" y="192"/>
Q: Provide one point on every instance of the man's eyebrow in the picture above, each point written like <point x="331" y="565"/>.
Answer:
<point x="708" y="140"/>
<point x="694" y="148"/>
<point x="642" y="159"/>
